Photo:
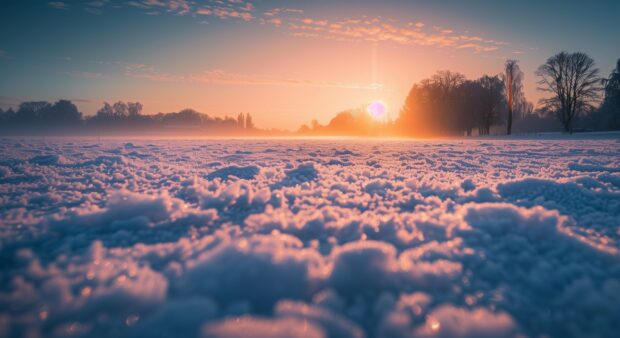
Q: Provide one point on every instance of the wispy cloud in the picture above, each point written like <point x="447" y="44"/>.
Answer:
<point x="93" y="7"/>
<point x="100" y="3"/>
<point x="297" y="23"/>
<point x="378" y="29"/>
<point x="217" y="76"/>
<point x="279" y="11"/>
<point x="225" y="13"/>
<point x="222" y="9"/>
<point x="58" y="5"/>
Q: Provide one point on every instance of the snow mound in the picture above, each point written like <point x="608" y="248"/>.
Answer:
<point x="303" y="173"/>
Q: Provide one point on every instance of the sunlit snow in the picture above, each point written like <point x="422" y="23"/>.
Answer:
<point x="310" y="238"/>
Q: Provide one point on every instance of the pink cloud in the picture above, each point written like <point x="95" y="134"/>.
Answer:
<point x="236" y="9"/>
<point x="387" y="30"/>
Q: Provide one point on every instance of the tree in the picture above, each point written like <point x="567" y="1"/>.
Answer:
<point x="63" y="112"/>
<point x="241" y="121"/>
<point x="611" y="104"/>
<point x="315" y="125"/>
<point x="470" y="99"/>
<point x="120" y="110"/>
<point x="446" y="84"/>
<point x="491" y="101"/>
<point x="134" y="109"/>
<point x="105" y="113"/>
<point x="29" y="113"/>
<point x="513" y="89"/>
<point x="249" y="124"/>
<point x="432" y="106"/>
<point x="522" y="109"/>
<point x="574" y="82"/>
<point x="185" y="118"/>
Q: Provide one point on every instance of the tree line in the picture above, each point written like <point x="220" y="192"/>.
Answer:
<point x="120" y="117"/>
<point x="448" y="103"/>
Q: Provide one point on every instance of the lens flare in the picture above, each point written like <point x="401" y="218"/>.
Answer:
<point x="376" y="109"/>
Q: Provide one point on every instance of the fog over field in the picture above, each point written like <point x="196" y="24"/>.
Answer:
<point x="310" y="238"/>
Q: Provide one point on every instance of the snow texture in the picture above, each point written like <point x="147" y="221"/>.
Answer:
<point x="310" y="238"/>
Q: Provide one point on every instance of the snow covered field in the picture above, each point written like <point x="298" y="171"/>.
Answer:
<point x="319" y="238"/>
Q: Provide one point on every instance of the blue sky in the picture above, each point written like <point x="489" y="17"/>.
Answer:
<point x="286" y="62"/>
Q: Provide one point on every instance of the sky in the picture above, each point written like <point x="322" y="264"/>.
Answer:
<point x="284" y="62"/>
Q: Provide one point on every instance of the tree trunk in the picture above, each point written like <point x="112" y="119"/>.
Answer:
<point x="568" y="124"/>
<point x="509" y="121"/>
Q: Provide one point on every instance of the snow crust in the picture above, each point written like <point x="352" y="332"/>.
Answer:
<point x="310" y="238"/>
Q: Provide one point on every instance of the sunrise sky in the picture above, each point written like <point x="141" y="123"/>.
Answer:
<point x="285" y="62"/>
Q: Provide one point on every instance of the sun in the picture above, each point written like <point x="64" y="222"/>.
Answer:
<point x="377" y="109"/>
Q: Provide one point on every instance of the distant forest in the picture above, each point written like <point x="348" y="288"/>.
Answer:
<point x="120" y="118"/>
<point x="446" y="104"/>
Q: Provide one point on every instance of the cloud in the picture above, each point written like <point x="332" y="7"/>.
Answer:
<point x="378" y="29"/>
<point x="477" y="48"/>
<point x="178" y="7"/>
<point x="58" y="5"/>
<point x="282" y="10"/>
<point x="93" y="7"/>
<point x="297" y="24"/>
<point x="220" y="9"/>
<point x="96" y="7"/>
<point x="223" y="77"/>
<point x="99" y="3"/>
<point x="224" y="13"/>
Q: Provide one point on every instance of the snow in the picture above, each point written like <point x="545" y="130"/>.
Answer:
<point x="513" y="237"/>
<point x="247" y="172"/>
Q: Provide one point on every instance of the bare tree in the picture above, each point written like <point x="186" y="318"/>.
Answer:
<point x="120" y="109"/>
<point x="513" y="88"/>
<point x="447" y="81"/>
<point x="470" y="105"/>
<point x="574" y="81"/>
<point x="134" y="109"/>
<point x="492" y="101"/>
<point x="444" y="85"/>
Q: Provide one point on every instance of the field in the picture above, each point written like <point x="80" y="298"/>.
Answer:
<point x="310" y="238"/>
